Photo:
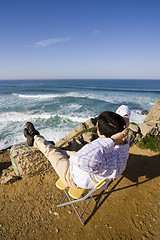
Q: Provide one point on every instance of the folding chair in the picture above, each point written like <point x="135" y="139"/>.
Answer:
<point x="77" y="194"/>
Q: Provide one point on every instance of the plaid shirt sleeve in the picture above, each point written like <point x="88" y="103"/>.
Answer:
<point x="91" y="156"/>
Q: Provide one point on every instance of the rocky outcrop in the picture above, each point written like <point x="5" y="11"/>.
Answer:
<point x="134" y="134"/>
<point x="151" y="125"/>
<point x="79" y="136"/>
<point x="139" y="132"/>
<point x="8" y="176"/>
<point x="154" y="114"/>
<point x="28" y="161"/>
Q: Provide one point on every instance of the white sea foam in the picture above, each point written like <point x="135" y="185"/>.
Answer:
<point x="70" y="94"/>
<point x="48" y="96"/>
<point x="9" y="117"/>
<point x="75" y="118"/>
<point x="55" y="134"/>
<point x="108" y="98"/>
<point x="41" y="96"/>
<point x="137" y="117"/>
<point x="21" y="117"/>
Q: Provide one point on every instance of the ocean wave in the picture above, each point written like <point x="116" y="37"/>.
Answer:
<point x="77" y="119"/>
<point x="74" y="95"/>
<point x="51" y="126"/>
<point x="10" y="117"/>
<point x="136" y="116"/>
<point x="49" y="96"/>
<point x="30" y="116"/>
<point x="21" y="117"/>
<point x="16" y="135"/>
<point x="108" y="98"/>
<point x="41" y="96"/>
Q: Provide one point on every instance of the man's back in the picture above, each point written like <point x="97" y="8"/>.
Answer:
<point x="96" y="160"/>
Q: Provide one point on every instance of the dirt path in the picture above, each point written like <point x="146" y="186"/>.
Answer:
<point x="130" y="209"/>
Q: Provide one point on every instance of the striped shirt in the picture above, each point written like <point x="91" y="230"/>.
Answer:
<point x="98" y="160"/>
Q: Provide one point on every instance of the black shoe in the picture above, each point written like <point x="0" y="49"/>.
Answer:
<point x="30" y="138"/>
<point x="32" y="131"/>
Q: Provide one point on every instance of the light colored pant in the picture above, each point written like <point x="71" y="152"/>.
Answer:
<point x="58" y="158"/>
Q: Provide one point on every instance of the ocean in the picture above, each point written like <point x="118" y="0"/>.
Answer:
<point x="57" y="106"/>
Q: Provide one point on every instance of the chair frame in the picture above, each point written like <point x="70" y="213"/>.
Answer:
<point x="88" y="196"/>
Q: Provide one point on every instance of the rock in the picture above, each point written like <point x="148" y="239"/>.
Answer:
<point x="56" y="214"/>
<point x="88" y="137"/>
<point x="144" y="112"/>
<point x="28" y="161"/>
<point x="151" y="125"/>
<point x="90" y="123"/>
<point x="8" y="176"/>
<point x="80" y="128"/>
<point x="138" y="137"/>
<point x="75" y="145"/>
<point x="147" y="128"/>
<point x="134" y="133"/>
<point x="134" y="128"/>
<point x="154" y="114"/>
<point x="156" y="130"/>
<point x="66" y="142"/>
<point x="57" y="230"/>
<point x="134" y="137"/>
<point x="60" y="143"/>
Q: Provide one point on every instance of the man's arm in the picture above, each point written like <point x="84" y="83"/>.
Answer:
<point x="120" y="137"/>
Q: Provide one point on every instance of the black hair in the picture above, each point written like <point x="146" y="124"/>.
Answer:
<point x="110" y="123"/>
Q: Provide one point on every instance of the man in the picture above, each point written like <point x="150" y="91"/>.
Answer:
<point x="103" y="158"/>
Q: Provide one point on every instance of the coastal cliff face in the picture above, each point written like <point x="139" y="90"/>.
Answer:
<point x="28" y="161"/>
<point x="150" y="126"/>
<point x="154" y="114"/>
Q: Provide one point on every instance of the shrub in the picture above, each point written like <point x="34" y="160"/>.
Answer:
<point x="150" y="142"/>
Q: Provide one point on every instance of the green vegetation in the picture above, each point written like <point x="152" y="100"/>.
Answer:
<point x="92" y="130"/>
<point x="133" y="123"/>
<point x="150" y="142"/>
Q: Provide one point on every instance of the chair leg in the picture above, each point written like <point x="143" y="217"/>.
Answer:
<point x="74" y="207"/>
<point x="61" y="201"/>
<point x="89" y="195"/>
<point x="61" y="204"/>
<point x="86" y="206"/>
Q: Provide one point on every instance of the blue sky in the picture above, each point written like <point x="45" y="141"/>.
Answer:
<point x="58" y="39"/>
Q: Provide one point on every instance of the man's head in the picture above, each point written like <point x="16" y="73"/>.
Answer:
<point x="110" y="123"/>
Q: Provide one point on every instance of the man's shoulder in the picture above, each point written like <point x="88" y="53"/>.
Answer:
<point x="101" y="142"/>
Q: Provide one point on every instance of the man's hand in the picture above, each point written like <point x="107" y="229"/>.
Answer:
<point x="120" y="137"/>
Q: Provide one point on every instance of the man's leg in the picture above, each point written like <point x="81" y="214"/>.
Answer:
<point x="57" y="157"/>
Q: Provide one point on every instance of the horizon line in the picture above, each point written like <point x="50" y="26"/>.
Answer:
<point x="18" y="79"/>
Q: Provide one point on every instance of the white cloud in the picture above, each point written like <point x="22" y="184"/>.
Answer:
<point x="50" y="41"/>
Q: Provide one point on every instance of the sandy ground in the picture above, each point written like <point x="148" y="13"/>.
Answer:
<point x="129" y="209"/>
